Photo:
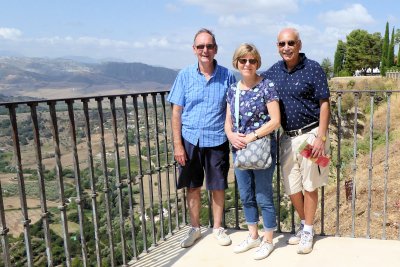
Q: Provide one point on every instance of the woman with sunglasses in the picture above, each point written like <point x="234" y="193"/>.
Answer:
<point x="259" y="116"/>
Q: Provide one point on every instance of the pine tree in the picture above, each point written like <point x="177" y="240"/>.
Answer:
<point x="390" y="56"/>
<point x="363" y="51"/>
<point x="385" y="47"/>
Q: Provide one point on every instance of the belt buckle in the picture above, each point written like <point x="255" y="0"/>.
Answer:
<point x="299" y="132"/>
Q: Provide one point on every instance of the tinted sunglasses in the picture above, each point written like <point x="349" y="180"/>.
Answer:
<point x="209" y="46"/>
<point x="289" y="43"/>
<point x="252" y="61"/>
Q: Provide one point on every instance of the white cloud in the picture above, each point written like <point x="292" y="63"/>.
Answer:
<point x="312" y="1"/>
<point x="10" y="33"/>
<point x="232" y="21"/>
<point x="138" y="45"/>
<point x="230" y="7"/>
<point x="354" y="16"/>
<point x="84" y="40"/>
<point x="332" y="35"/>
<point x="158" y="42"/>
<point x="104" y="43"/>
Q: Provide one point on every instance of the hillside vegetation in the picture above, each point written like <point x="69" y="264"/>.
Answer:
<point x="378" y="172"/>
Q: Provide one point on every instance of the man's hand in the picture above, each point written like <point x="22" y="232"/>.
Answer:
<point x="179" y="150"/>
<point x="318" y="148"/>
<point x="180" y="154"/>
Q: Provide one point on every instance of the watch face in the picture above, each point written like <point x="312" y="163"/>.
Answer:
<point x="255" y="134"/>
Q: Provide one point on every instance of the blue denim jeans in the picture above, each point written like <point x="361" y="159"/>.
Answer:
<point x="255" y="188"/>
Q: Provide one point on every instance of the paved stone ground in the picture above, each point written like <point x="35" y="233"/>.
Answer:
<point x="328" y="251"/>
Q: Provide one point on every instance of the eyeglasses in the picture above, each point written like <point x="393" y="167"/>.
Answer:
<point x="243" y="61"/>
<point x="289" y="43"/>
<point x="209" y="46"/>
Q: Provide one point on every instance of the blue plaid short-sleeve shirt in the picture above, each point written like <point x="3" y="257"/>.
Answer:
<point x="204" y="104"/>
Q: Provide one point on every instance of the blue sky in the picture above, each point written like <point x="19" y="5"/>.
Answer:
<point x="161" y="32"/>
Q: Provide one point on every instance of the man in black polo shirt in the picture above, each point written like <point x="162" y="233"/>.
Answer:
<point x="304" y="101"/>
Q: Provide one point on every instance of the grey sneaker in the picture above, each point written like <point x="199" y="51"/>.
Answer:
<point x="263" y="250"/>
<point x="306" y="243"/>
<point x="190" y="238"/>
<point x="221" y="236"/>
<point x="295" y="239"/>
<point x="247" y="244"/>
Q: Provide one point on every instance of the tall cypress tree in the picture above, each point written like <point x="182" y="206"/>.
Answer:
<point x="397" y="42"/>
<point x="385" y="47"/>
<point x="391" y="51"/>
<point x="398" y="57"/>
<point x="339" y="57"/>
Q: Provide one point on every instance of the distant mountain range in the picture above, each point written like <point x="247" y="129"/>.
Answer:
<point x="37" y="76"/>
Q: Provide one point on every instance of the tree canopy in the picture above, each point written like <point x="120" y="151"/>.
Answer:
<point x="327" y="67"/>
<point x="363" y="50"/>
<point x="397" y="37"/>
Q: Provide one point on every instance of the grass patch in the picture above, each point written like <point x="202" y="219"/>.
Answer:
<point x="57" y="228"/>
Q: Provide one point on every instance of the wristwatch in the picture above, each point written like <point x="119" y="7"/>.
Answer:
<point x="323" y="138"/>
<point x="256" y="135"/>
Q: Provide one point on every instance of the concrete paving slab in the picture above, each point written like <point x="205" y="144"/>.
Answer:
<point x="328" y="251"/>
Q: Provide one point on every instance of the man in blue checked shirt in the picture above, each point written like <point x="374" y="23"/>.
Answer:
<point x="201" y="147"/>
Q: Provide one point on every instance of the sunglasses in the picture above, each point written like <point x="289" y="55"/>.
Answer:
<point x="209" y="46"/>
<point x="289" y="43"/>
<point x="243" y="61"/>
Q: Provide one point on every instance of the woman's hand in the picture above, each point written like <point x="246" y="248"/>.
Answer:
<point x="238" y="140"/>
<point x="250" y="137"/>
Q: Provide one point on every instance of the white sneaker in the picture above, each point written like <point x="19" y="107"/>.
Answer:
<point x="190" y="238"/>
<point x="306" y="243"/>
<point x="247" y="244"/>
<point x="221" y="236"/>
<point x="263" y="250"/>
<point x="295" y="239"/>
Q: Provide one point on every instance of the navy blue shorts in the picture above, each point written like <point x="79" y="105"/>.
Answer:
<point x="211" y="161"/>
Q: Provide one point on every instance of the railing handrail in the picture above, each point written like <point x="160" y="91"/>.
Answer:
<point x="40" y="100"/>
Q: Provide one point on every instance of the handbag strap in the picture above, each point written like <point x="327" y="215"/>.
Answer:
<point x="237" y="96"/>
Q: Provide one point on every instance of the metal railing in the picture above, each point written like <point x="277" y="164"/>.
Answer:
<point x="375" y="150"/>
<point x="103" y="171"/>
<point x="113" y="194"/>
<point x="393" y="75"/>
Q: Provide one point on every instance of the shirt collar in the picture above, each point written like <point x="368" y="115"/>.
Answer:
<point x="299" y="65"/>
<point x="215" y="63"/>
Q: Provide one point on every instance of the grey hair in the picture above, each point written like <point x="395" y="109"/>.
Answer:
<point x="204" y="30"/>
